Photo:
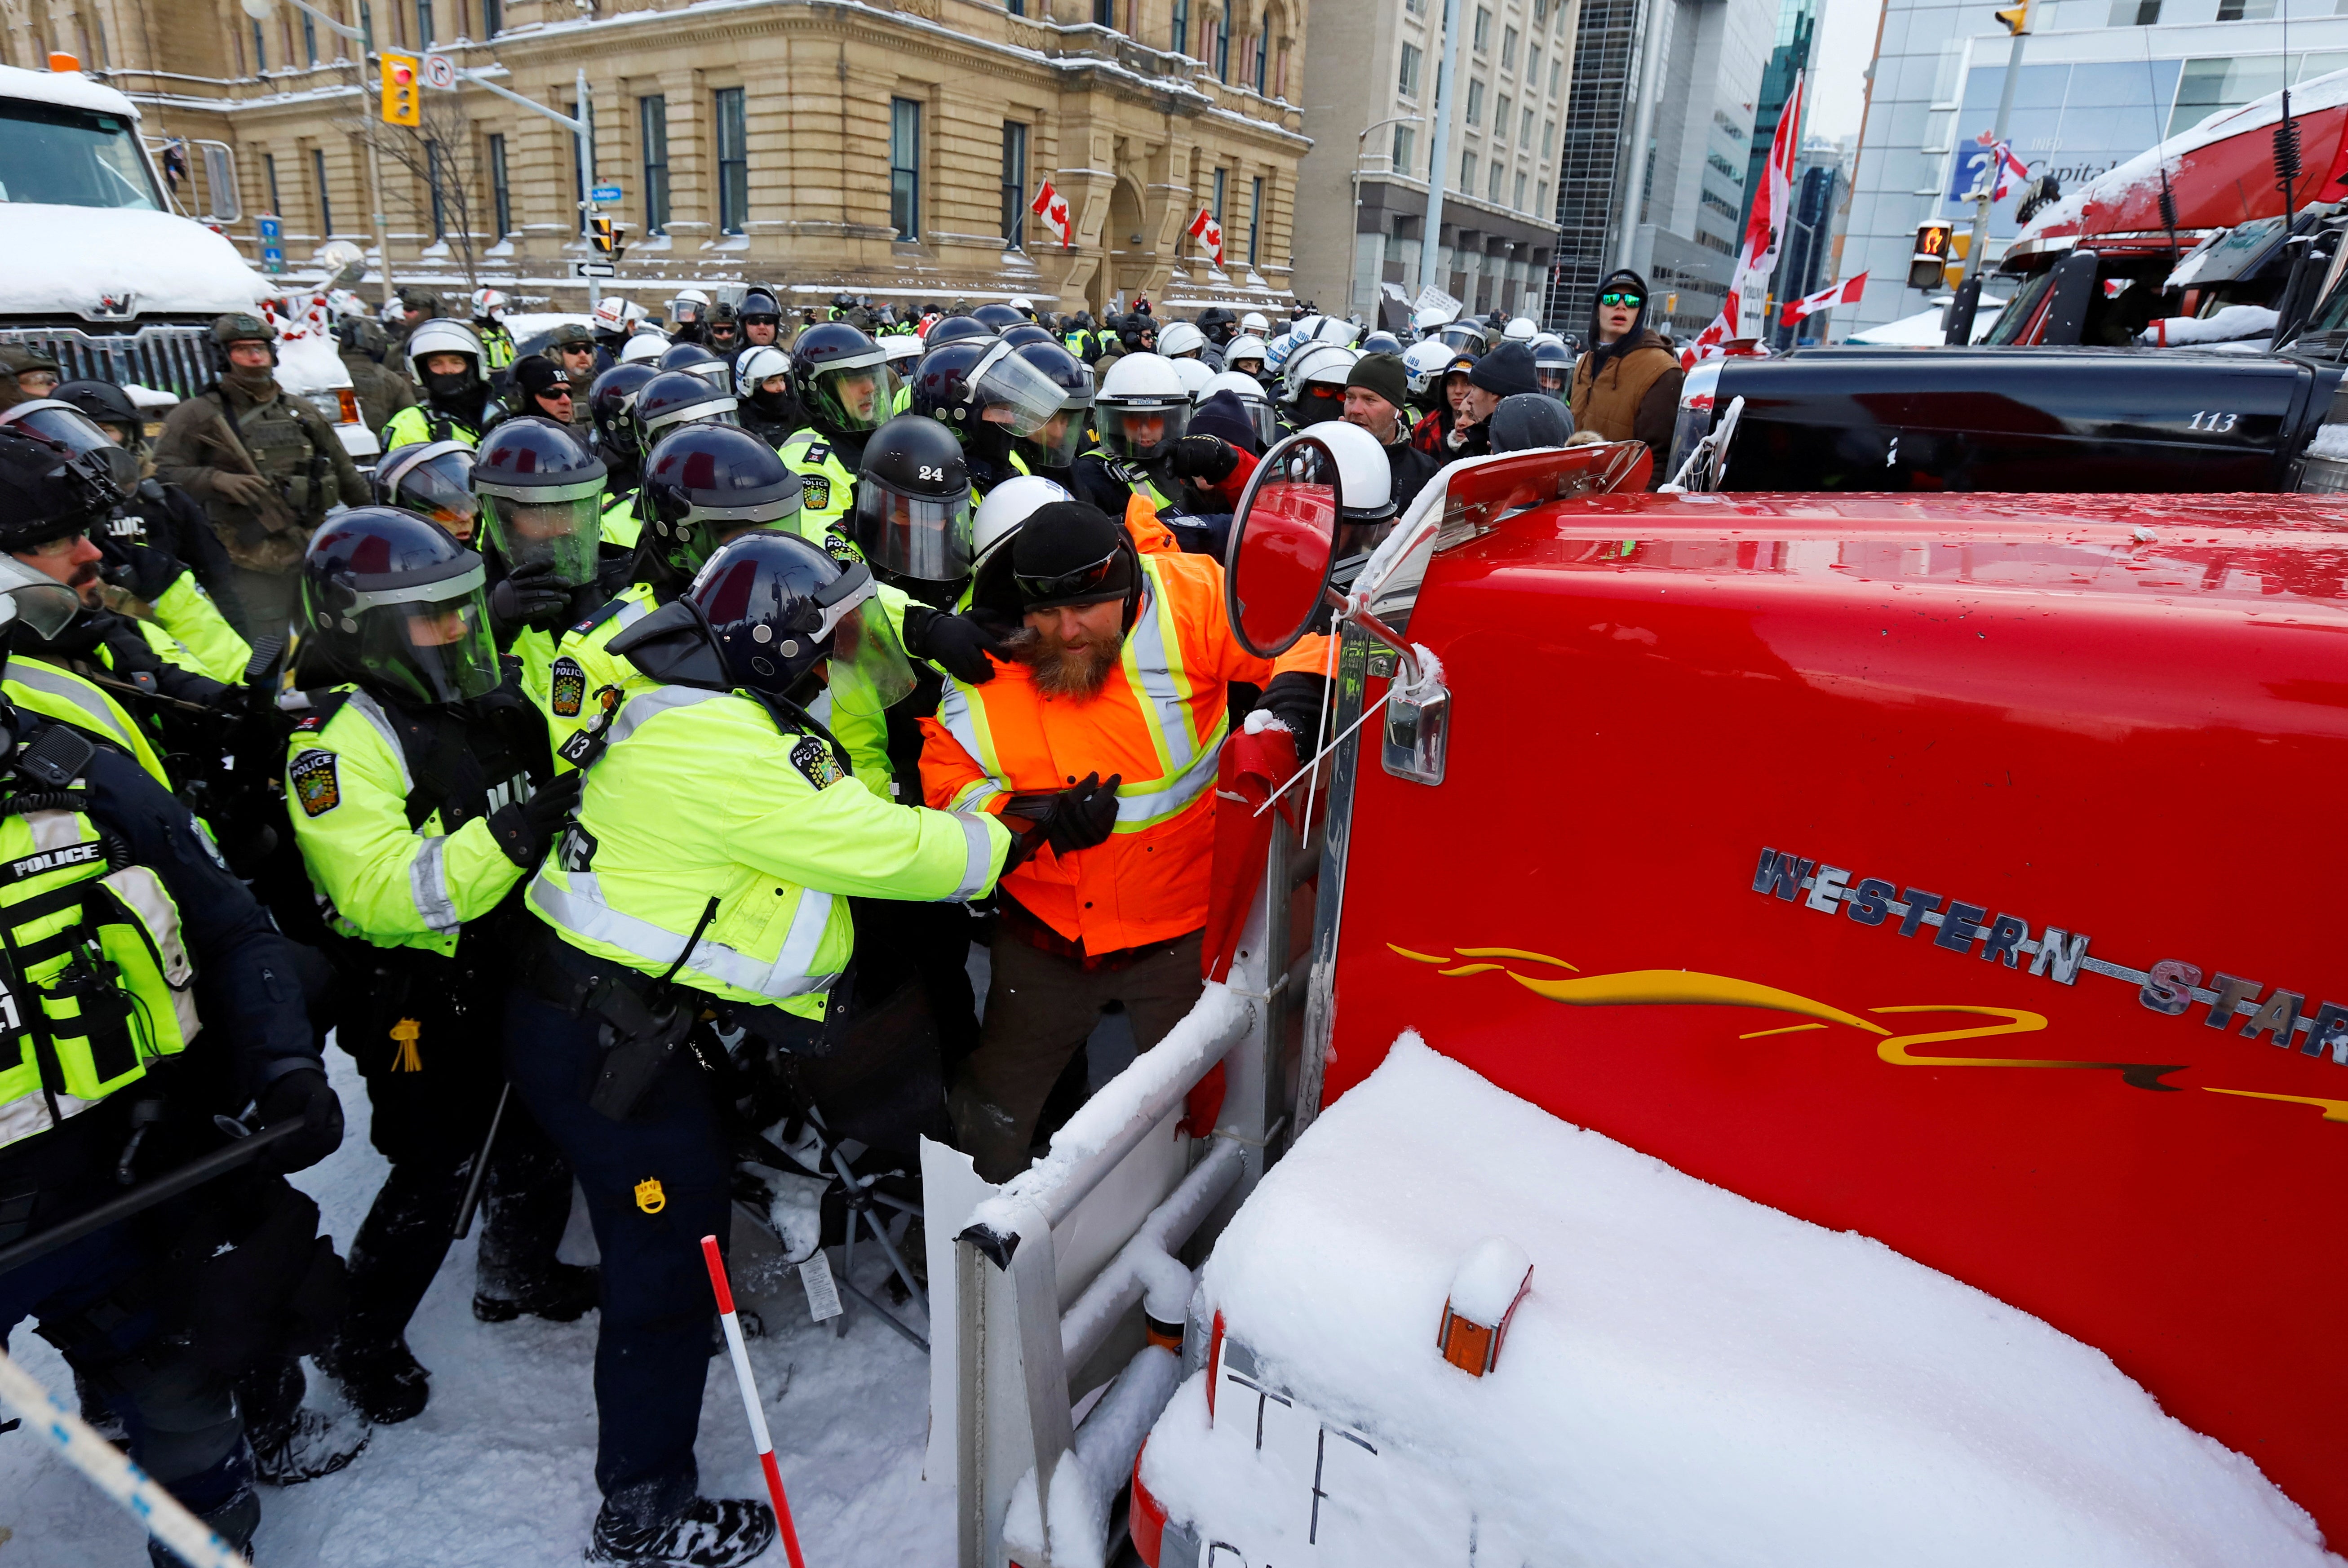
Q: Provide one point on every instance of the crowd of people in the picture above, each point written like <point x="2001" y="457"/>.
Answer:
<point x="665" y="716"/>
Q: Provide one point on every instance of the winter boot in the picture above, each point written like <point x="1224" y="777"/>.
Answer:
<point x="291" y="1444"/>
<point x="102" y="1417"/>
<point x="561" y="1294"/>
<point x="712" y="1532"/>
<point x="383" y="1382"/>
<point x="233" y="1522"/>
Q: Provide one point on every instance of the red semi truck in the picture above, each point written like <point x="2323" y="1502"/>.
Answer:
<point x="1955" y="872"/>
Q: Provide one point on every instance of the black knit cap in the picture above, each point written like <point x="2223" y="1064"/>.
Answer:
<point x="535" y="373"/>
<point x="1508" y="370"/>
<point x="1055" y="550"/>
<point x="1384" y="376"/>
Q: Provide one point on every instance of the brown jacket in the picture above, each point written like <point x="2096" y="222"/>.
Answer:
<point x="1634" y="399"/>
<point x="221" y="430"/>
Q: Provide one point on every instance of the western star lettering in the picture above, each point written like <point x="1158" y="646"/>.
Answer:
<point x="2171" y="986"/>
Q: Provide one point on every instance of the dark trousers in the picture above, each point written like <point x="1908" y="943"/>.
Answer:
<point x="90" y="1299"/>
<point x="655" y="1184"/>
<point x="430" y="1110"/>
<point x="1041" y="1008"/>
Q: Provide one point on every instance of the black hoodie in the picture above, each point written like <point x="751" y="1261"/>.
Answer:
<point x="1620" y="277"/>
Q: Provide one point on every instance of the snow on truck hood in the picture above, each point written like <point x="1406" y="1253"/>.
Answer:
<point x="62" y="260"/>
<point x="1693" y="1379"/>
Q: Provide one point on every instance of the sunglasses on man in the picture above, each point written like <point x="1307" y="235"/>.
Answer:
<point x="1630" y="300"/>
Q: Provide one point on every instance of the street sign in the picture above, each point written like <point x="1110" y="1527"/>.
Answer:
<point x="439" y="71"/>
<point x="594" y="269"/>
<point x="604" y="193"/>
<point x="273" y="260"/>
<point x="271" y="229"/>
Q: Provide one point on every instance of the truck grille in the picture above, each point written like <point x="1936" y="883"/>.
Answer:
<point x="174" y="359"/>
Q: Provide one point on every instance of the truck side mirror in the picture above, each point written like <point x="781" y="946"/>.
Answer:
<point x="1284" y="543"/>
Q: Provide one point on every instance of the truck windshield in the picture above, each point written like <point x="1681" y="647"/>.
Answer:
<point x="72" y="157"/>
<point x="2020" y="309"/>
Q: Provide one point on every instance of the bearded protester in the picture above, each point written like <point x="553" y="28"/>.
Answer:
<point x="1099" y="725"/>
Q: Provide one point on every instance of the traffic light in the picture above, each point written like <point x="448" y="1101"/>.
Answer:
<point x="2018" y="19"/>
<point x="599" y="229"/>
<point x="1934" y="245"/>
<point x="402" y="104"/>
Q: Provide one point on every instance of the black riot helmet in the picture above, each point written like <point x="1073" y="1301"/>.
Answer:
<point x="997" y="317"/>
<point x="776" y="606"/>
<point x="1219" y="324"/>
<point x="1025" y="333"/>
<point x="674" y="397"/>
<point x="954" y="327"/>
<point x="47" y="493"/>
<point x="913" y="508"/>
<point x="434" y="480"/>
<point x="109" y="406"/>
<point x="843" y="378"/>
<point x="611" y="404"/>
<point x="695" y="360"/>
<point x="390" y="601"/>
<point x="706" y="483"/>
<point x="1056" y="444"/>
<point x="62" y="425"/>
<point x="541" y="500"/>
<point x="760" y="304"/>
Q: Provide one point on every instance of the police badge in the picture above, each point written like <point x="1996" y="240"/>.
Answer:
<point x="568" y="687"/>
<point x="818" y="492"/>
<point x="314" y="782"/>
<point x="814" y="758"/>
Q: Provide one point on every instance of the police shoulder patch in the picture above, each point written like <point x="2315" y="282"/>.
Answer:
<point x="315" y="783"/>
<point x="817" y="494"/>
<point x="814" y="758"/>
<point x="842" y="550"/>
<point x="567" y="687"/>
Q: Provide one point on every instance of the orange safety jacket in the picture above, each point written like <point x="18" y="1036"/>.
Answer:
<point x="1159" y="721"/>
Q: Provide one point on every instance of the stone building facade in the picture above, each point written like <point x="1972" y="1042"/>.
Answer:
<point x="888" y="149"/>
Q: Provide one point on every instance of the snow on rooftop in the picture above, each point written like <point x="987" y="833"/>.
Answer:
<point x="1693" y="1380"/>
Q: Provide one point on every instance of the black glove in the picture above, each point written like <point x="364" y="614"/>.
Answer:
<point x="143" y="570"/>
<point x="1079" y="817"/>
<point x="1207" y="458"/>
<point x="525" y="831"/>
<point x="1297" y="698"/>
<point x="528" y="596"/>
<point x="956" y="643"/>
<point x="304" y="1096"/>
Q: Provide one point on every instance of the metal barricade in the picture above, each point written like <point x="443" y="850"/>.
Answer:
<point x="1053" y="1273"/>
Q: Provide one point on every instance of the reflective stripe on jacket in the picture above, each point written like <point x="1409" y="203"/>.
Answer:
<point x="700" y="795"/>
<point x="1159" y="721"/>
<point x="67" y="698"/>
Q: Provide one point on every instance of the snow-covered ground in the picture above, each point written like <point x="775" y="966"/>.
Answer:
<point x="498" y="1471"/>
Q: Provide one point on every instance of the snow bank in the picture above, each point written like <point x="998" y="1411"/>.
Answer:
<point x="1693" y="1379"/>
<point x="2223" y="326"/>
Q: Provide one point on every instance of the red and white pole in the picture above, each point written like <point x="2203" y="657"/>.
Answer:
<point x="724" y="1291"/>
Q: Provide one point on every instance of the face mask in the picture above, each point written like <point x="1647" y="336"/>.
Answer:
<point x="450" y="384"/>
<point x="254" y="381"/>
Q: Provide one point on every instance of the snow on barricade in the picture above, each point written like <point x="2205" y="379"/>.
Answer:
<point x="1088" y="1477"/>
<point x="1693" y="1379"/>
<point x="2228" y="325"/>
<point x="1158" y="1077"/>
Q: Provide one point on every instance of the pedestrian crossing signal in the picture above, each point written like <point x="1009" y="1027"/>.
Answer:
<point x="2017" y="20"/>
<point x="401" y="102"/>
<point x="1935" y="243"/>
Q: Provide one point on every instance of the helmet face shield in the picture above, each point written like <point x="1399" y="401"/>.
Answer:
<point x="1005" y="381"/>
<point x="93" y="453"/>
<point x="922" y="537"/>
<point x="547" y="529"/>
<point x="438" y="484"/>
<point x="429" y="640"/>
<point x="868" y="672"/>
<point x="1140" y="434"/>
<point x="857" y="393"/>
<point x="36" y="598"/>
<point x="1063" y="434"/>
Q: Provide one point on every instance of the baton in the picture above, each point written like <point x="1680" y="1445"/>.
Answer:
<point x="194" y="1173"/>
<point x="481" y="1166"/>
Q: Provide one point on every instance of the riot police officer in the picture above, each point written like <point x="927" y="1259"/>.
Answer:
<point x="541" y="497"/>
<point x="990" y="397"/>
<point x="768" y="407"/>
<point x="447" y="362"/>
<point x="635" y="948"/>
<point x="612" y="414"/>
<point x="420" y="790"/>
<point x="848" y="390"/>
<point x="158" y="939"/>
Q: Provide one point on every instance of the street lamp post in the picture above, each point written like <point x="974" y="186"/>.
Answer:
<point x="1361" y="150"/>
<point x="262" y="11"/>
<point x="1438" y="152"/>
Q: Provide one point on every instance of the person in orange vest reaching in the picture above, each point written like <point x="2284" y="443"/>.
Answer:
<point x="1101" y="724"/>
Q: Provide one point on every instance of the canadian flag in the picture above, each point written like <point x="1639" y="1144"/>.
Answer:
<point x="1772" y="207"/>
<point x="1209" y="233"/>
<point x="1706" y="344"/>
<point x="1053" y="207"/>
<point x="1846" y="293"/>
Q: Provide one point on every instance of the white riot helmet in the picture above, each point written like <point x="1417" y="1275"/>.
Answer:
<point x="1548" y="337"/>
<point x="1254" y="325"/>
<point x="441" y="336"/>
<point x="1180" y="339"/>
<point x="643" y="348"/>
<point x="1024" y="307"/>
<point x="1006" y="506"/>
<point x="611" y="315"/>
<point x="1250" y="393"/>
<point x="1423" y="363"/>
<point x="1312" y="384"/>
<point x="690" y="304"/>
<point x="1246" y="346"/>
<point x="1197" y="375"/>
<point x="391" y="312"/>
<point x="903" y="350"/>
<point x="490" y="305"/>
<point x="1520" y="329"/>
<point x="1142" y="407"/>
<point x="1332" y="329"/>
<point x="762" y="363"/>
<point x="1429" y="320"/>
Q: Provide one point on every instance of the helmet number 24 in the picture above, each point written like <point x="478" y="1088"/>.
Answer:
<point x="930" y="473"/>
